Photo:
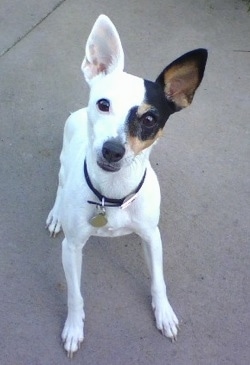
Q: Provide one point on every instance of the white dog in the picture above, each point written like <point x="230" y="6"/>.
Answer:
<point x="107" y="186"/>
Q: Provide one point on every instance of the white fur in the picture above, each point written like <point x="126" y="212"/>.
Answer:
<point x="85" y="132"/>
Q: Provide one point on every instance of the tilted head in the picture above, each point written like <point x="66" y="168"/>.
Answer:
<point x="126" y="113"/>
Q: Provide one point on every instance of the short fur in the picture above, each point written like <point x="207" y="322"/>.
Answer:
<point x="114" y="134"/>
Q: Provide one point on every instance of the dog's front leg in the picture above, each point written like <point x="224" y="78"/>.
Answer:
<point x="166" y="320"/>
<point x="73" y="332"/>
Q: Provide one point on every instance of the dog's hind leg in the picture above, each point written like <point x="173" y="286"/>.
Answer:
<point x="74" y="126"/>
<point x="73" y="332"/>
<point x="53" y="222"/>
<point x="166" y="320"/>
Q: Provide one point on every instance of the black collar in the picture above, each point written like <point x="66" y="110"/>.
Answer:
<point x="108" y="202"/>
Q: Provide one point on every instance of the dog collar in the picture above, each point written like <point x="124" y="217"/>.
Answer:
<point x="109" y="202"/>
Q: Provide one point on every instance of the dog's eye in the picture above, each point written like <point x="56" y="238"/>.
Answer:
<point x="148" y="121"/>
<point x="103" y="105"/>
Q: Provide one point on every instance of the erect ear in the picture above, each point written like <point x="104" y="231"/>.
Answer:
<point x="104" y="52"/>
<point x="182" y="77"/>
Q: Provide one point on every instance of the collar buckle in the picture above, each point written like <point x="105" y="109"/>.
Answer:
<point x="128" y="200"/>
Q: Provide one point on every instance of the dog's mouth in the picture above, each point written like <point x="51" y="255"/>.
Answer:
<point x="106" y="166"/>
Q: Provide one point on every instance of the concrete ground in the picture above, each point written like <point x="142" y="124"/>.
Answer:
<point x="202" y="164"/>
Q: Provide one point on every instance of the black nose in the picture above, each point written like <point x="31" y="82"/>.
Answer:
<point x="113" y="151"/>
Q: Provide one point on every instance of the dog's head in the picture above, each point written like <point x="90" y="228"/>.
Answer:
<point x="126" y="113"/>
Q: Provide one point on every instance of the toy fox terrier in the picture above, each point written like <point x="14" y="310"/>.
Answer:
<point x="107" y="186"/>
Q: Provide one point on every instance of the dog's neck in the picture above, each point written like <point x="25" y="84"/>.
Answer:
<point x="121" y="183"/>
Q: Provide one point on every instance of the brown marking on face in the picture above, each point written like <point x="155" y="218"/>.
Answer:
<point x="181" y="82"/>
<point x="137" y="145"/>
<point x="143" y="108"/>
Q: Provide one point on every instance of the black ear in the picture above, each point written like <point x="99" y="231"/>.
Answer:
<point x="182" y="77"/>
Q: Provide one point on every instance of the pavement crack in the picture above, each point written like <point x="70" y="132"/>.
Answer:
<point x="19" y="39"/>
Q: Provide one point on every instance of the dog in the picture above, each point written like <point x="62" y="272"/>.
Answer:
<point x="107" y="186"/>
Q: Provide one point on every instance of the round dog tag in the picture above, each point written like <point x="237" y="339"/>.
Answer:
<point x="99" y="220"/>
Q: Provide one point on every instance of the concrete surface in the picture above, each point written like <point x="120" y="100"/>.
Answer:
<point x="202" y="163"/>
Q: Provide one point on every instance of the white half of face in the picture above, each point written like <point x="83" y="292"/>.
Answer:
<point x="123" y="91"/>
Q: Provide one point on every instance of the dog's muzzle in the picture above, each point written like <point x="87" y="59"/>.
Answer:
<point x="112" y="153"/>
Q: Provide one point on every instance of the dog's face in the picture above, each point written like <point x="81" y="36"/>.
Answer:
<point x="126" y="114"/>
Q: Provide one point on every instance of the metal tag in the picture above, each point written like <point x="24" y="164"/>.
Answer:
<point x="100" y="219"/>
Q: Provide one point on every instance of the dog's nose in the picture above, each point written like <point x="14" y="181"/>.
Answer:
<point x="113" y="151"/>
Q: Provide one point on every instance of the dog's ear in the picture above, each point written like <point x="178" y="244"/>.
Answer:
<point x="104" y="52"/>
<point x="182" y="77"/>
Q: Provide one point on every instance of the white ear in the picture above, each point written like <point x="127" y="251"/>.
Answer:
<point x="104" y="53"/>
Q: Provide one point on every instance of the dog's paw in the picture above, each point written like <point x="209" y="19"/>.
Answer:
<point x="73" y="333"/>
<point x="53" y="224"/>
<point x="166" y="320"/>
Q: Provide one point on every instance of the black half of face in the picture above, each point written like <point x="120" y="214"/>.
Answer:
<point x="146" y="120"/>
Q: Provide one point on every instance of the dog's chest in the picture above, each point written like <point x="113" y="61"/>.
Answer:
<point x="118" y="223"/>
